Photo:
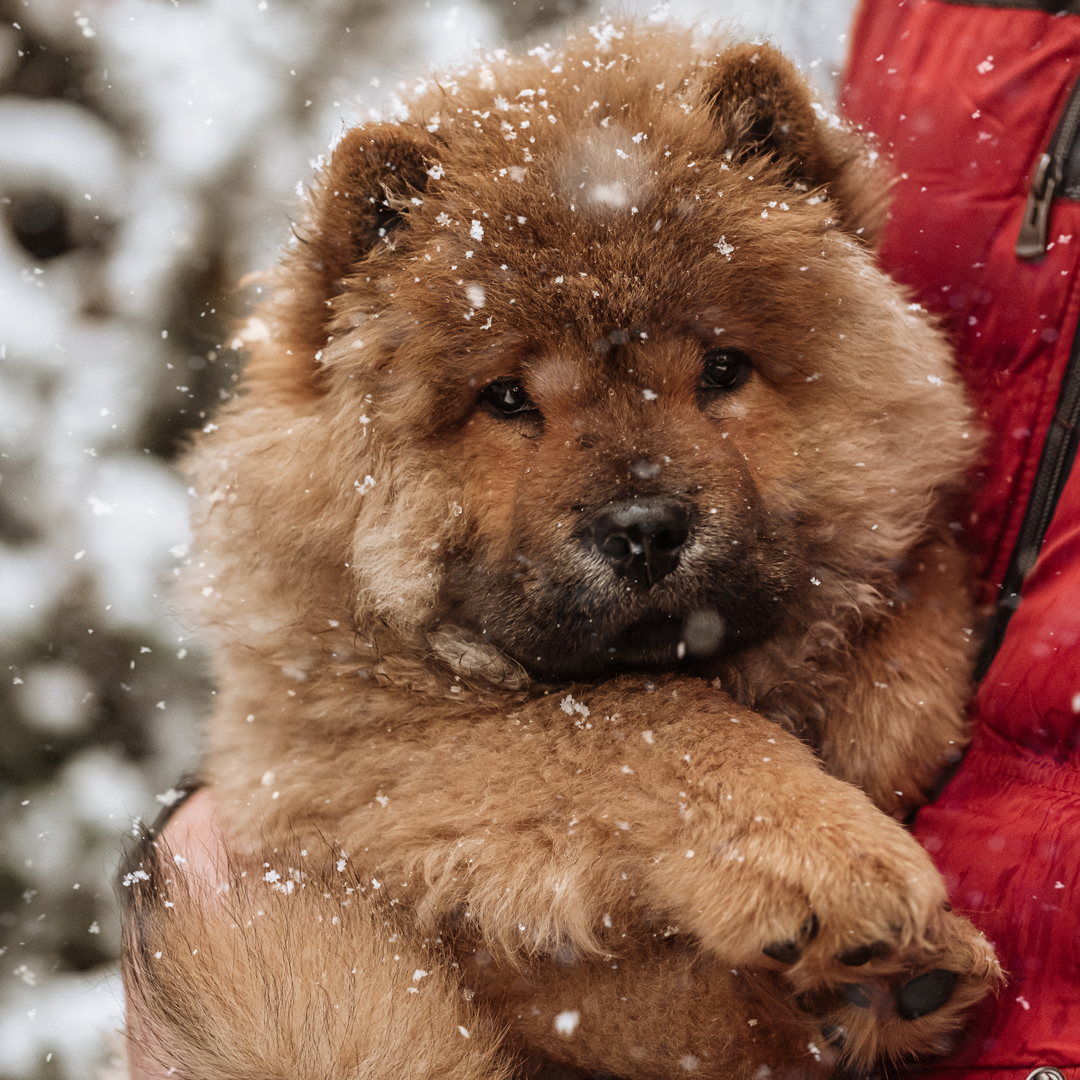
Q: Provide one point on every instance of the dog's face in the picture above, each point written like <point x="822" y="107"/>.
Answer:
<point x="616" y="519"/>
<point x="623" y="537"/>
<point x="600" y="346"/>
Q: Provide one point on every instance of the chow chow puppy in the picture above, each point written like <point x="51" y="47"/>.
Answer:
<point x="577" y="559"/>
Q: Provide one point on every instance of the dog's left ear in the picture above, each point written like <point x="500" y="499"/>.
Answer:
<point x="763" y="108"/>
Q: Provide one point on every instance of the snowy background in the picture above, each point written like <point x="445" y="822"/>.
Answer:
<point x="149" y="156"/>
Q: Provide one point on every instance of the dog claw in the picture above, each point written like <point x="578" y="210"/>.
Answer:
<point x="863" y="954"/>
<point x="787" y="952"/>
<point x="855" y="957"/>
<point x="925" y="993"/>
<point x="833" y="1034"/>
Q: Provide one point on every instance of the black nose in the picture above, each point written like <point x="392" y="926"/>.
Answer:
<point x="641" y="538"/>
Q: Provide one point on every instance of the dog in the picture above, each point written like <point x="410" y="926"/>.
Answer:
<point x="579" y="563"/>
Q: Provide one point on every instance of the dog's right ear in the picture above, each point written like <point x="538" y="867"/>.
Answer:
<point x="359" y="201"/>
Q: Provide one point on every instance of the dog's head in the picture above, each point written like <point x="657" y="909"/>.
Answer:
<point x="587" y="364"/>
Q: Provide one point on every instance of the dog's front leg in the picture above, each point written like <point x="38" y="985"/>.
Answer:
<point x="729" y="827"/>
<point x="576" y="819"/>
<point x="580" y="824"/>
<point x="897" y="722"/>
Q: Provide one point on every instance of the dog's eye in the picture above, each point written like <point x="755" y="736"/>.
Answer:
<point x="724" y="369"/>
<point x="508" y="398"/>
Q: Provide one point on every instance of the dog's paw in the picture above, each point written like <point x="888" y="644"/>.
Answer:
<point x="915" y="1011"/>
<point x="848" y="901"/>
<point x="881" y="958"/>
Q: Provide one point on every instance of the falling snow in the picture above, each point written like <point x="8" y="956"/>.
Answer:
<point x="566" y="1023"/>
<point x="121" y="333"/>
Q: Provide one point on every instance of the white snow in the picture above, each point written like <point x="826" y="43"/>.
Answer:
<point x="570" y="706"/>
<point x="566" y="1023"/>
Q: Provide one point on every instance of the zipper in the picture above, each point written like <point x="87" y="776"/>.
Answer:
<point x="1055" y="464"/>
<point x="1046" y="180"/>
<point x="1060" y="445"/>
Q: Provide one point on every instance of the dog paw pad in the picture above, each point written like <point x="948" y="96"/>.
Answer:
<point x="925" y="993"/>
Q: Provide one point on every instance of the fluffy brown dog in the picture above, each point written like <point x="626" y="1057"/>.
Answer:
<point x="587" y="480"/>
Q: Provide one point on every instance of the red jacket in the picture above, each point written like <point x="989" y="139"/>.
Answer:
<point x="966" y="98"/>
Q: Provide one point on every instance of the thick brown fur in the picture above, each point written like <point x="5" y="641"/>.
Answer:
<point x="591" y="807"/>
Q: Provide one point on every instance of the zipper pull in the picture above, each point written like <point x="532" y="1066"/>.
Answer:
<point x="1031" y="243"/>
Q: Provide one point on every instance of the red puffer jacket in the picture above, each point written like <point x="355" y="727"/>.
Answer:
<point x="967" y="98"/>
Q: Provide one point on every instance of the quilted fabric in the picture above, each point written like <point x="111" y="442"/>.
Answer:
<point x="965" y="99"/>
